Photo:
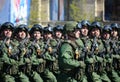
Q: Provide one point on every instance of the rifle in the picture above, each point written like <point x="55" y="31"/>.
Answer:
<point x="47" y="44"/>
<point x="45" y="48"/>
<point x="115" y="52"/>
<point x="58" y="44"/>
<point x="9" y="48"/>
<point x="114" y="47"/>
<point x="22" y="46"/>
<point x="37" y="47"/>
<point x="56" y="50"/>
<point x="3" y="44"/>
<point x="49" y="48"/>
<point x="107" y="47"/>
<point x="94" y="46"/>
<point x="85" y="49"/>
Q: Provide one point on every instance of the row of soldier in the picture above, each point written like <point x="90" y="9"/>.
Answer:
<point x="75" y="52"/>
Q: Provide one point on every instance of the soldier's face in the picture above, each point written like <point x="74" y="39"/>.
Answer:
<point x="7" y="33"/>
<point x="84" y="31"/>
<point x="95" y="32"/>
<point x="106" y="35"/>
<point x="114" y="33"/>
<point x="49" y="36"/>
<point x="45" y="36"/>
<point x="22" y="34"/>
<point x="58" y="34"/>
<point x="37" y="35"/>
<point x="77" y="33"/>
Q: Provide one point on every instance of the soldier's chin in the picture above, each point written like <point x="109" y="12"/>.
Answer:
<point x="23" y="37"/>
<point x="59" y="36"/>
<point x="77" y="37"/>
<point x="95" y="35"/>
<point x="8" y="36"/>
<point x="37" y="38"/>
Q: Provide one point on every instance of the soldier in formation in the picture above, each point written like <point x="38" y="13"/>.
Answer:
<point x="74" y="52"/>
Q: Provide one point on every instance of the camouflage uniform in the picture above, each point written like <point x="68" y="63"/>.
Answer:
<point x="24" y="55"/>
<point x="38" y="64"/>
<point x="71" y="68"/>
<point x="85" y="26"/>
<point x="83" y="50"/>
<point x="114" y="48"/>
<point x="94" y="59"/>
<point x="8" y="52"/>
<point x="107" y="53"/>
<point x="50" y="56"/>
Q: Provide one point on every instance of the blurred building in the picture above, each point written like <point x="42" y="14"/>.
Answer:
<point x="58" y="11"/>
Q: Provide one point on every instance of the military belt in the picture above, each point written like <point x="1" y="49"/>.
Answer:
<point x="25" y="68"/>
<point x="1" y="65"/>
<point x="11" y="70"/>
<point x="39" y="68"/>
<point x="90" y="68"/>
<point x="108" y="67"/>
<point x="76" y="73"/>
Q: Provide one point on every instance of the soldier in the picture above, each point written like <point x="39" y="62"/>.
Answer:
<point x="8" y="50"/>
<point x="85" y="28"/>
<point x="80" y="54"/>
<point x="86" y="42"/>
<point x="37" y="45"/>
<point x="24" y="55"/>
<point x="107" y="53"/>
<point x="94" y="60"/>
<point x="50" y="56"/>
<point x="97" y="49"/>
<point x="58" y="35"/>
<point x="78" y="41"/>
<point x="58" y="32"/>
<point x="116" y="57"/>
<point x="69" y="64"/>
